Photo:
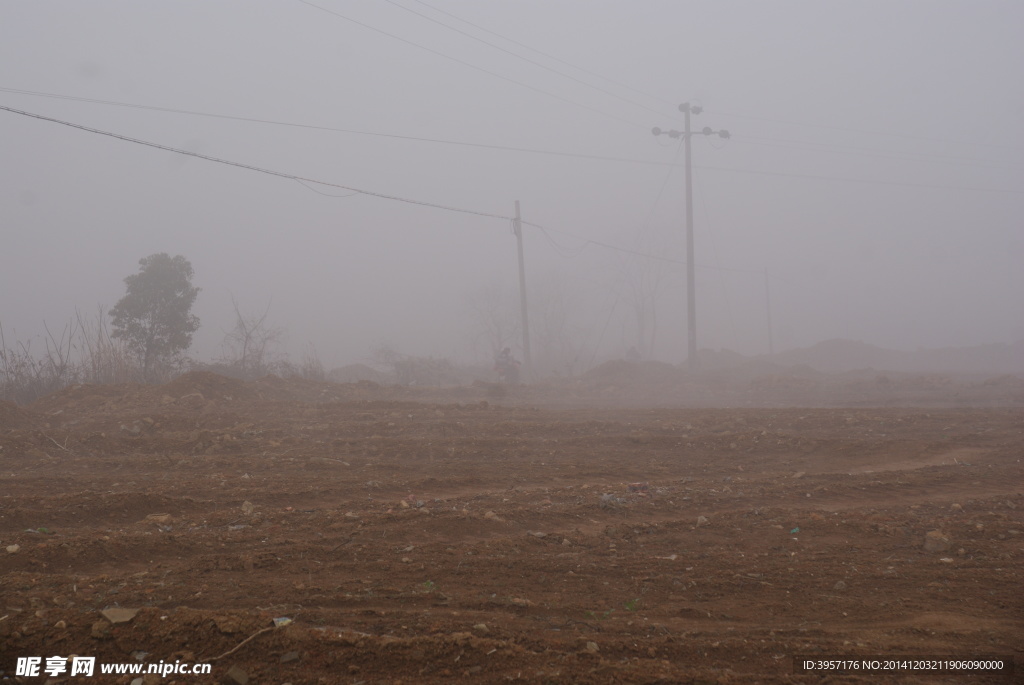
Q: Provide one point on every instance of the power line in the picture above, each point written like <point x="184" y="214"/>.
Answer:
<point x="927" y="157"/>
<point x="869" y="181"/>
<point x="471" y="65"/>
<point x="250" y="167"/>
<point x="487" y="146"/>
<point x="525" y="59"/>
<point x="636" y="253"/>
<point x="303" y="179"/>
<point x="549" y="56"/>
<point x="421" y="203"/>
<point x="865" y="132"/>
<point x="255" y="120"/>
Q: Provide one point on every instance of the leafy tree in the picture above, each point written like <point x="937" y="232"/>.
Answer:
<point x="153" y="318"/>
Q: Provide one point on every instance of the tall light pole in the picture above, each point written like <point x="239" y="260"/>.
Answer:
<point x="687" y="109"/>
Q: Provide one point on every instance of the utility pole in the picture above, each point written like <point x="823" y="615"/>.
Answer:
<point x="691" y="319"/>
<point x="768" y="303"/>
<point x="527" y="361"/>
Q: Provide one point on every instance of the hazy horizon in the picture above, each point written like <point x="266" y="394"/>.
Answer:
<point x="872" y="178"/>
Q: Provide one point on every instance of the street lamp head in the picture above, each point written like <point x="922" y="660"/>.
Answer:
<point x="707" y="131"/>
<point x="723" y="134"/>
<point x="656" y="131"/>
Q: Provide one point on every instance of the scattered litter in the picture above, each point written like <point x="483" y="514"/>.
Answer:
<point x="794" y="531"/>
<point x="13" y="549"/>
<point x="248" y="508"/>
<point x="282" y="621"/>
<point x="702" y="521"/>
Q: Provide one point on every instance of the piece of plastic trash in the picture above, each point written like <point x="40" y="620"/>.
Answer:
<point x="282" y="621"/>
<point x="794" y="531"/>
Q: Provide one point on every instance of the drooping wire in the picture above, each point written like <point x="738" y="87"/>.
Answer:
<point x="314" y="127"/>
<point x="473" y="66"/>
<point x="862" y="131"/>
<point x="549" y="56"/>
<point x="320" y="192"/>
<point x="251" y="167"/>
<point x="525" y="59"/>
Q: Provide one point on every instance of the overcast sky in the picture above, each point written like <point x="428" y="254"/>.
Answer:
<point x="875" y="168"/>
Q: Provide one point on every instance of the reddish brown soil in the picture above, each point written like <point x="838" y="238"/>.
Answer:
<point x="484" y="535"/>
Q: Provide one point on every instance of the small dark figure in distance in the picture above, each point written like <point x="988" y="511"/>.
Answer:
<point x="507" y="367"/>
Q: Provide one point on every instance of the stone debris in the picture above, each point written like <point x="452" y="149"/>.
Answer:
<point x="248" y="508"/>
<point x="236" y="676"/>
<point x="100" y="630"/>
<point x="936" y="541"/>
<point x="119" y="614"/>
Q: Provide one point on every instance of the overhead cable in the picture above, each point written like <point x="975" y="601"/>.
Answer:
<point x="473" y="66"/>
<point x="525" y="59"/>
<point x="255" y="120"/>
<point x="549" y="56"/>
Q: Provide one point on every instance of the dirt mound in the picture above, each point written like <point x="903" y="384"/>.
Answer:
<point x="1004" y="381"/>
<point x="622" y="372"/>
<point x="210" y="385"/>
<point x="84" y="398"/>
<point x="353" y="373"/>
<point x="13" y="416"/>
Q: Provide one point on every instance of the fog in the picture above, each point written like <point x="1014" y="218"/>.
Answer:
<point x="873" y="177"/>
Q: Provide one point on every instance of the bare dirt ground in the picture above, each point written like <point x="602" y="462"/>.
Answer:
<point x="484" y="534"/>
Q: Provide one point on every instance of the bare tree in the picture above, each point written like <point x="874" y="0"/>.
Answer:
<point x="250" y="343"/>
